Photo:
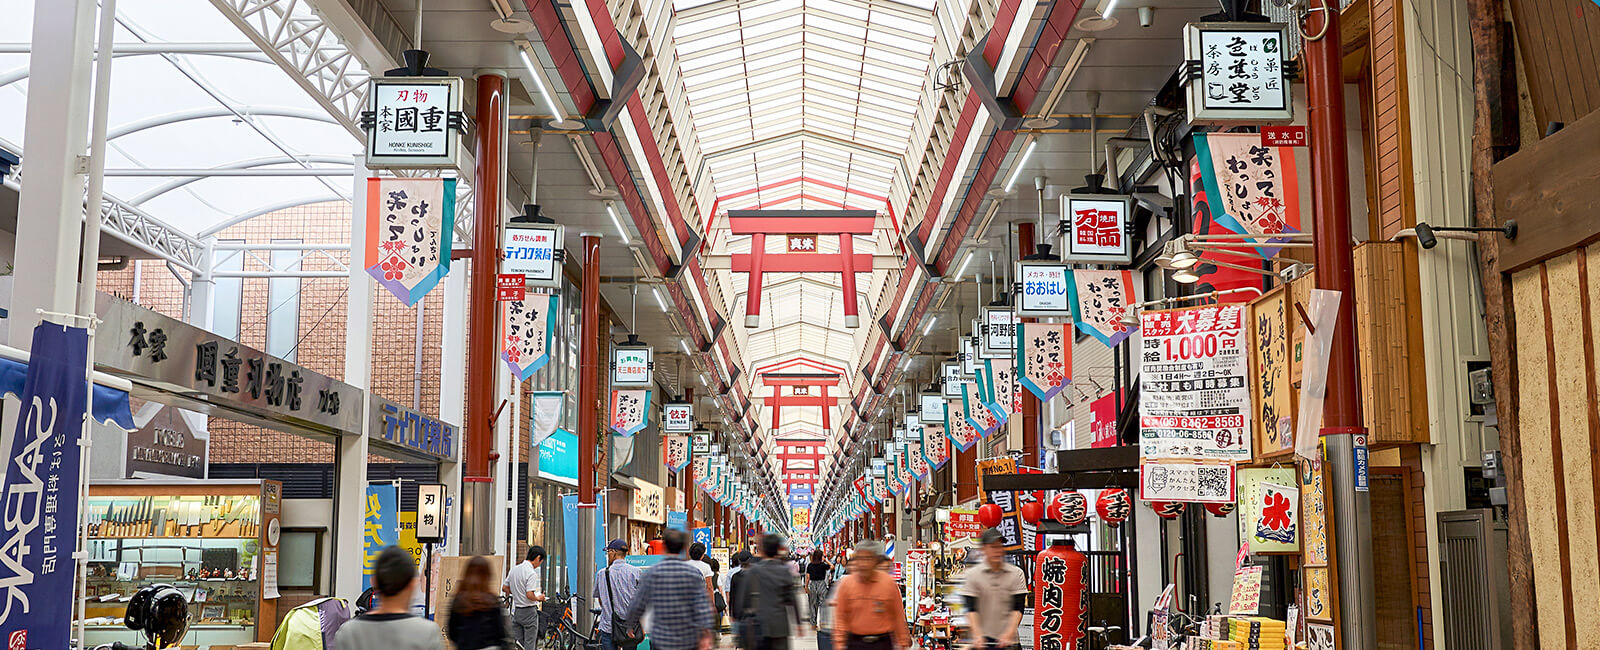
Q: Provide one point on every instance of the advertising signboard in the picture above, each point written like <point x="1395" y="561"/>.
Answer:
<point x="410" y="124"/>
<point x="1043" y="289"/>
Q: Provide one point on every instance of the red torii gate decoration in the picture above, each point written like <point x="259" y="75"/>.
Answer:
<point x="804" y="228"/>
<point x="801" y="382"/>
<point x="796" y="451"/>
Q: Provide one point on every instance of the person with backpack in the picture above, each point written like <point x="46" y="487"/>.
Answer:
<point x="614" y="588"/>
<point x="766" y="601"/>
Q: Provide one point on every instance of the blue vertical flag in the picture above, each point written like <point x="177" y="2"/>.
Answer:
<point x="569" y="526"/>
<point x="381" y="528"/>
<point x="40" y="498"/>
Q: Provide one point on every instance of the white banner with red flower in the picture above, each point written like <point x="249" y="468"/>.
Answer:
<point x="915" y="461"/>
<point x="1004" y="397"/>
<point x="629" y="411"/>
<point x="410" y="222"/>
<point x="935" y="446"/>
<point x="1252" y="188"/>
<point x="1044" y="358"/>
<point x="525" y="332"/>
<point x="1100" y="301"/>
<point x="676" y="452"/>
<point x="961" y="432"/>
<point x="977" y="413"/>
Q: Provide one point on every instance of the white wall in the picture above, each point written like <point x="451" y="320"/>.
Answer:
<point x="316" y="513"/>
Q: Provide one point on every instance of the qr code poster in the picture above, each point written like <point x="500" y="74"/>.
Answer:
<point x="1186" y="481"/>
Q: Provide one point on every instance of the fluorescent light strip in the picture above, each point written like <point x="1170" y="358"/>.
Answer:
<point x="656" y="291"/>
<point x="685" y="347"/>
<point x="538" y="80"/>
<point x="1110" y="6"/>
<point x="1021" y="164"/>
<point x="929" y="327"/>
<point x="615" y="221"/>
<point x="962" y="270"/>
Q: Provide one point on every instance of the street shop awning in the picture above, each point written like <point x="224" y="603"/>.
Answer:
<point x="1077" y="469"/>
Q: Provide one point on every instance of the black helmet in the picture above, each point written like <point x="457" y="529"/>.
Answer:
<point x="161" y="611"/>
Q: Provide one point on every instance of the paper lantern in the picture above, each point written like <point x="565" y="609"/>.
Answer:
<point x="1167" y="509"/>
<point x="1061" y="597"/>
<point x="1113" y="506"/>
<point x="989" y="515"/>
<point x="1032" y="512"/>
<point x="1071" y="507"/>
<point x="1220" y="509"/>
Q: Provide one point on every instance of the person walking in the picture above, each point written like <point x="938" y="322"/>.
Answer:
<point x="867" y="610"/>
<point x="719" y="598"/>
<point x="675" y="595"/>
<point x="817" y="576"/>
<point x="766" y="599"/>
<point x="697" y="559"/>
<point x="735" y="580"/>
<point x="996" y="591"/>
<point x="522" y="584"/>
<point x="614" y="588"/>
<point x="475" y="618"/>
<point x="391" y="626"/>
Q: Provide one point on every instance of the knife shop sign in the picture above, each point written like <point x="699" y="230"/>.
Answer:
<point x="413" y="122"/>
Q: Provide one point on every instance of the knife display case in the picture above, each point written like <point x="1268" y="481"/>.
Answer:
<point x="215" y="540"/>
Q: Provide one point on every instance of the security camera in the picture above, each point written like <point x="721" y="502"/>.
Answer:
<point x="1147" y="16"/>
<point x="1425" y="236"/>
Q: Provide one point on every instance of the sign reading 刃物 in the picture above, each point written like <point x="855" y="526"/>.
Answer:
<point x="409" y="122"/>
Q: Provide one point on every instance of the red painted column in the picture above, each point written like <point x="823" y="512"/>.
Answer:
<point x="691" y="491"/>
<point x="847" y="272"/>
<point x="826" y="410"/>
<point x="478" y="511"/>
<point x="776" y="401"/>
<point x="752" y="305"/>
<point x="588" y="371"/>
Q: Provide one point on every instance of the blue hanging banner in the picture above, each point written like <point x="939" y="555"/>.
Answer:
<point x="381" y="526"/>
<point x="40" y="500"/>
<point x="569" y="527"/>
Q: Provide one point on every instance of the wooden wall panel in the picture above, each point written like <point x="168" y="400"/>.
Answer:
<point x="1541" y="471"/>
<point x="1560" y="45"/>
<point x="1390" y="146"/>
<point x="1385" y="352"/>
<point x="1568" y="326"/>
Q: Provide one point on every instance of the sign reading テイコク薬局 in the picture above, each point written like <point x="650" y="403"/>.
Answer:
<point x="531" y="249"/>
<point x="404" y="427"/>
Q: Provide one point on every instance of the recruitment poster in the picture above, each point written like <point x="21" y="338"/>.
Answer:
<point x="1195" y="385"/>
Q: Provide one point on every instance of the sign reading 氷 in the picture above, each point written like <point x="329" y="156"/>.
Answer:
<point x="631" y="365"/>
<point x="1096" y="228"/>
<point x="532" y="250"/>
<point x="1044" y="289"/>
<point x="1237" y="73"/>
<point x="413" y="122"/>
<point x="410" y="224"/>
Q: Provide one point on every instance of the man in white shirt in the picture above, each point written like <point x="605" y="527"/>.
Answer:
<point x="697" y="559"/>
<point x="522" y="584"/>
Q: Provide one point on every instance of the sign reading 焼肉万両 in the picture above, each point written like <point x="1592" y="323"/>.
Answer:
<point x="410" y="125"/>
<point x="1043" y="289"/>
<point x="403" y="427"/>
<point x="631" y="365"/>
<point x="1096" y="228"/>
<point x="532" y="249"/>
<point x="1236" y="73"/>
<point x="677" y="417"/>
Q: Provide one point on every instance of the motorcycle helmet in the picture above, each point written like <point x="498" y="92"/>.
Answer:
<point x="161" y="612"/>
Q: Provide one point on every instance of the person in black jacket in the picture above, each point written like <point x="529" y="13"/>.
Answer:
<point x="475" y="618"/>
<point x="765" y="600"/>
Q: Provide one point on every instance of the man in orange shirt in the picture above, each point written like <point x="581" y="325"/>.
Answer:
<point x="867" y="611"/>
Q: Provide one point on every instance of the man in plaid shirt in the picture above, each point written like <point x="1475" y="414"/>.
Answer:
<point x="674" y="593"/>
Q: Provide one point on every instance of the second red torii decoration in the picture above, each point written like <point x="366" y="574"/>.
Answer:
<point x="820" y="381"/>
<point x="799" y="224"/>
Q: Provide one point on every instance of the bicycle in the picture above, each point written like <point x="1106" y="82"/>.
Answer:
<point x="561" y="633"/>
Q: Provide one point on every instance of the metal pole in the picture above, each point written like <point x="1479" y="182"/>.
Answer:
<point x="478" y="516"/>
<point x="589" y="334"/>
<point x="1342" y="431"/>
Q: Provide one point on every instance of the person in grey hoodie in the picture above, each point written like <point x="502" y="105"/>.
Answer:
<point x="391" y="626"/>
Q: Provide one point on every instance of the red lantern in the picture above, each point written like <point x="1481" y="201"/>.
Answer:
<point x="1167" y="509"/>
<point x="1070" y="507"/>
<point x="1220" y="509"/>
<point x="1032" y="512"/>
<point x="1113" y="506"/>
<point x="989" y="515"/>
<point x="1061" y="597"/>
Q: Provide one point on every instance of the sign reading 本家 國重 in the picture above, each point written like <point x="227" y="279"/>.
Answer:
<point x="410" y="223"/>
<point x="1096" y="228"/>
<point x="1044" y="289"/>
<point x="1194" y="402"/>
<point x="1045" y="357"/>
<point x="1100" y="303"/>
<point x="525" y="331"/>
<point x="410" y="124"/>
<point x="1237" y="73"/>
<point x="629" y="411"/>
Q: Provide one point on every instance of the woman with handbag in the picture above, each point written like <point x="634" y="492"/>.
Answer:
<point x="719" y="599"/>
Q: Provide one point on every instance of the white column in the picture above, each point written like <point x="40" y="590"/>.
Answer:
<point x="350" y="480"/>
<point x="453" y="389"/>
<point x="203" y="290"/>
<point x="56" y="131"/>
<point x="505" y="474"/>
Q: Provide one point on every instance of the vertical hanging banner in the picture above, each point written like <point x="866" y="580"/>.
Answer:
<point x="1270" y="352"/>
<point x="961" y="432"/>
<point x="1103" y="419"/>
<point x="40" y="502"/>
<point x="525" y="331"/>
<point x="1004" y="398"/>
<point x="915" y="461"/>
<point x="1045" y="358"/>
<point x="548" y="407"/>
<point x="676" y="452"/>
<point x="1100" y="301"/>
<point x="935" y="445"/>
<point x="381" y="526"/>
<point x="977" y="414"/>
<point x="410" y="222"/>
<point x="1251" y="188"/>
<point x="629" y="411"/>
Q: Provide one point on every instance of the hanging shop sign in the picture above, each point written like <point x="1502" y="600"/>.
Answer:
<point x="1096" y="228"/>
<point x="999" y="333"/>
<point x="158" y="351"/>
<point x="1269" y="509"/>
<point x="935" y="446"/>
<point x="701" y="445"/>
<point x="677" y="417"/>
<point x="526" y="329"/>
<point x="675" y="452"/>
<point x="168" y="444"/>
<point x="1250" y="188"/>
<point x="1236" y="73"/>
<point x="950" y="372"/>
<point x="1103" y="420"/>
<point x="1194" y="402"/>
<point x="413" y="122"/>
<point x="430" y="512"/>
<point x="1274" y="411"/>
<point x="631" y="365"/>
<point x="930" y="408"/>
<point x="1200" y="482"/>
<point x="400" y="426"/>
<point x="1100" y="304"/>
<point x="1294" y="135"/>
<point x="1061" y="598"/>
<point x="649" y="502"/>
<point x="41" y="490"/>
<point x="509" y="287"/>
<point x="533" y="250"/>
<point x="1045" y="357"/>
<point x="629" y="411"/>
<point x="1043" y="289"/>
<point x="969" y="354"/>
<point x="410" y="223"/>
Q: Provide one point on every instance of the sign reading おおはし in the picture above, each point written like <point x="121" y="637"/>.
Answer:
<point x="1043" y="289"/>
